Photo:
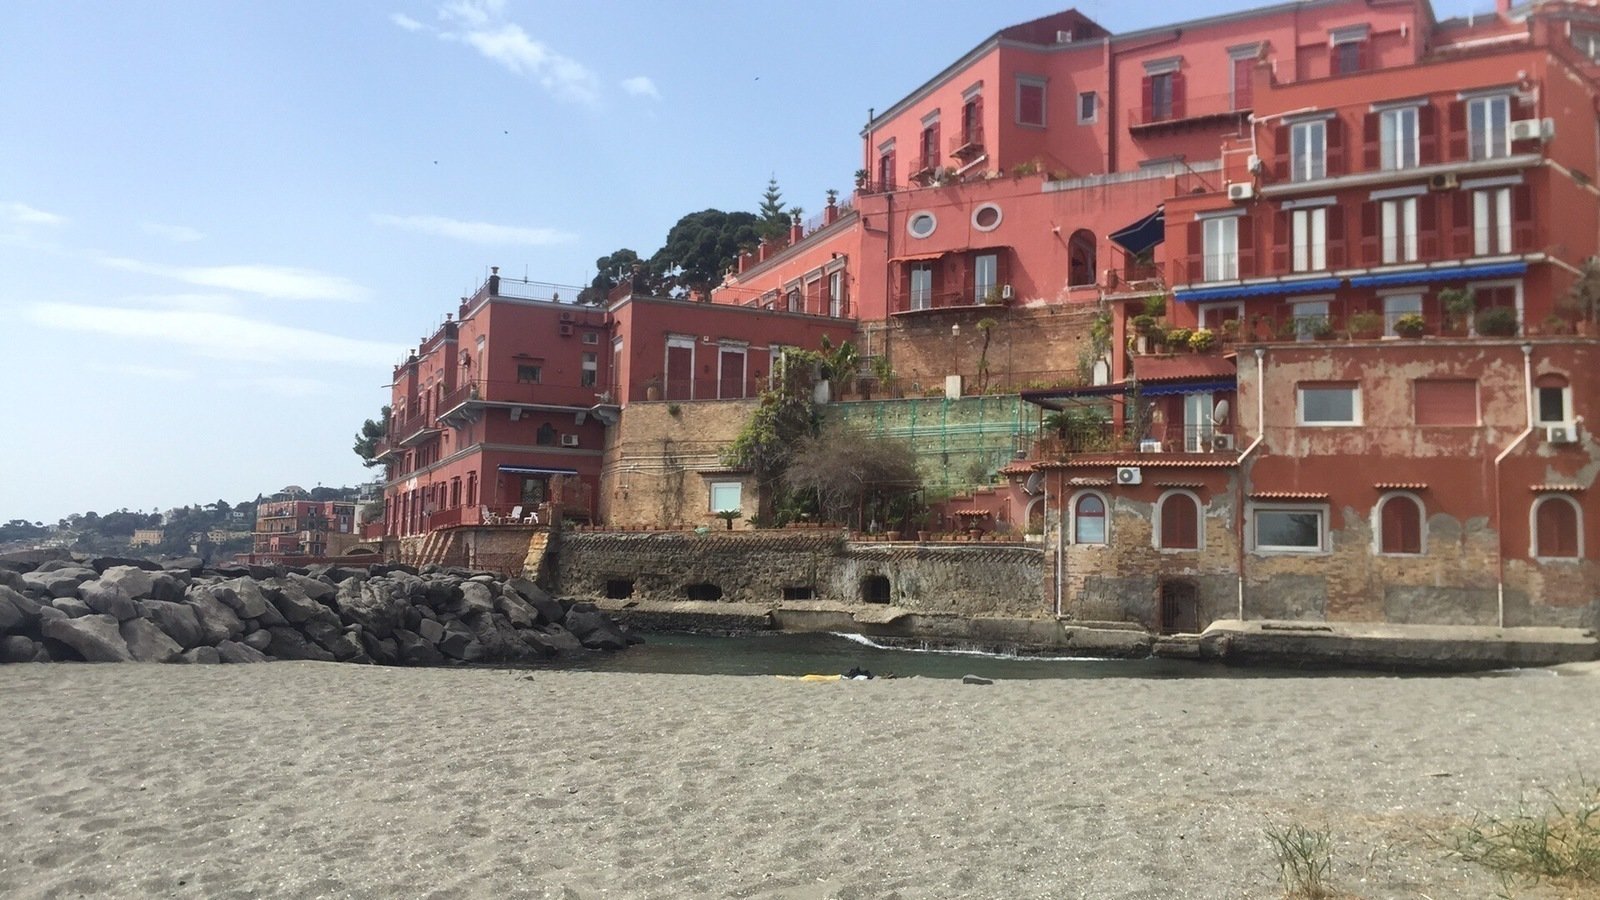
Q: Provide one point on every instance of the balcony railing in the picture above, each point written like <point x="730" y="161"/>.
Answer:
<point x="970" y="144"/>
<point x="1109" y="437"/>
<point x="527" y="392"/>
<point x="1186" y="110"/>
<point x="918" y="301"/>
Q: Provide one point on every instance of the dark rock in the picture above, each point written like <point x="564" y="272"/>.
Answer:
<point x="476" y="597"/>
<point x="56" y="565"/>
<point x="235" y="652"/>
<point x="338" y="574"/>
<point x="539" y="643"/>
<point x="204" y="656"/>
<point x="13" y="580"/>
<point x="430" y="631"/>
<point x="97" y="638"/>
<point x="110" y="598"/>
<point x="29" y="560"/>
<point x="179" y="621"/>
<point x="515" y="609"/>
<point x="270" y="616"/>
<point x="102" y="563"/>
<point x="262" y="573"/>
<point x="461" y="643"/>
<point x="148" y="643"/>
<point x="260" y="639"/>
<point x="369" y="604"/>
<point x="976" y="679"/>
<point x="344" y="645"/>
<point x="443" y="593"/>
<point x="293" y="602"/>
<point x="73" y="607"/>
<point x="314" y="589"/>
<point x="414" y="651"/>
<point x="550" y="611"/>
<point x="217" y="620"/>
<point x="189" y="564"/>
<point x="288" y="643"/>
<point x="411" y="617"/>
<point x="167" y="587"/>
<point x="243" y="596"/>
<point x="594" y="628"/>
<point x="24" y="604"/>
<point x="11" y="616"/>
<point x="135" y="581"/>
<point x="59" y="583"/>
<point x="18" y="649"/>
<point x="558" y="637"/>
<point x="384" y="651"/>
<point x="391" y="569"/>
<point x="231" y="570"/>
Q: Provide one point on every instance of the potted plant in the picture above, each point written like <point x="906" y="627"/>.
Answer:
<point x="1365" y="325"/>
<point x="1410" y="325"/>
<point x="1178" y="338"/>
<point x="652" y="388"/>
<point x="1320" y="328"/>
<point x="1497" y="321"/>
<point x="1459" y="304"/>
<point x="1230" y="330"/>
<point x="1202" y="340"/>
<point x="1143" y="322"/>
<point x="728" y="515"/>
<point x="861" y="178"/>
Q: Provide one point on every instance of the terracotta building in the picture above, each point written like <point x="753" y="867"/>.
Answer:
<point x="294" y="531"/>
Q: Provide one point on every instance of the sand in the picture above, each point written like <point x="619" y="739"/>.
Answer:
<point x="327" y="780"/>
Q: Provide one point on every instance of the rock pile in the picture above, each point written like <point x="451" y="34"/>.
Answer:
<point x="120" y="610"/>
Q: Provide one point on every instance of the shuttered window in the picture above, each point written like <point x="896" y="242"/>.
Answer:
<point x="1445" y="401"/>
<point x="1180" y="523"/>
<point x="1400" y="524"/>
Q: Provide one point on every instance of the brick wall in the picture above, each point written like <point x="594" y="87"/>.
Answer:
<point x="1027" y="344"/>
<point x="654" y="459"/>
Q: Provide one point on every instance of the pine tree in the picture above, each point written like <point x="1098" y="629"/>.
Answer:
<point x="774" y="219"/>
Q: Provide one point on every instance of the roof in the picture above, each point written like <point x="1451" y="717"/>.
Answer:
<point x="1182" y="366"/>
<point x="1401" y="485"/>
<point x="1288" y="495"/>
<point x="1142" y="460"/>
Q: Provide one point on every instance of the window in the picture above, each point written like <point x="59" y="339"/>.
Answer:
<point x="986" y="217"/>
<point x="1491" y="221"/>
<point x="1213" y="315"/>
<point x="1221" y="248"/>
<point x="1557" y="533"/>
<point x="1310" y="318"/>
<point x="1242" y="71"/>
<point x="1398" y="221"/>
<point x="1348" y="57"/>
<point x="545" y="437"/>
<point x="922" y="286"/>
<point x="1397" y="305"/>
<point x="1489" y="127"/>
<point x="1400" y="525"/>
<point x="1308" y="151"/>
<point x="836" y="294"/>
<point x="1179" y="528"/>
<point x="794" y="301"/>
<point x="930" y="144"/>
<point x="1160" y="87"/>
<point x="1310" y="227"/>
<point x="985" y="275"/>
<point x="1081" y="267"/>
<point x="921" y="224"/>
<point x="1030" y="101"/>
<point x="972" y="121"/>
<point x="1089" y="520"/>
<point x="886" y="167"/>
<point x="1445" y="401"/>
<point x="529" y="374"/>
<point x="1290" y="529"/>
<point x="1397" y="138"/>
<point x="590" y="376"/>
<point x="1588" y="43"/>
<point x="590" y="337"/>
<point x="1087" y="107"/>
<point x="726" y="495"/>
<point x="1554" y="400"/>
<point x="1329" y="404"/>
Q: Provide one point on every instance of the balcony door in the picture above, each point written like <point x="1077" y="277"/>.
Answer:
<point x="1197" y="425"/>
<point x="680" y="369"/>
<point x="985" y="277"/>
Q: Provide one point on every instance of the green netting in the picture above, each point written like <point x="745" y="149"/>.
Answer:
<point x="960" y="442"/>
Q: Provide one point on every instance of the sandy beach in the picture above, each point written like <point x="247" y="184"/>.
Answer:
<point x="327" y="780"/>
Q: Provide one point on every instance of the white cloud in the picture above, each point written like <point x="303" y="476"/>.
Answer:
<point x="217" y="335"/>
<point x="284" y="282"/>
<point x="481" y="27"/>
<point x="477" y="232"/>
<point x="641" y="86"/>
<point x="22" y="214"/>
<point x="182" y="234"/>
<point x="138" y="370"/>
<point x="406" y="22"/>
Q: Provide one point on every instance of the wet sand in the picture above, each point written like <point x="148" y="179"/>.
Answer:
<point x="325" y="780"/>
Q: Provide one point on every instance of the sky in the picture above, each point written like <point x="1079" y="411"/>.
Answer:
<point x="223" y="223"/>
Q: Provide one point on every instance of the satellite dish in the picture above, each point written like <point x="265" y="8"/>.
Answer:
<point x="1219" y="416"/>
<point x="1034" y="486"/>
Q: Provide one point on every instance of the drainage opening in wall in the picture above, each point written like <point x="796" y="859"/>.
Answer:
<point x="702" y="591"/>
<point x="1180" y="607"/>
<point x="798" y="593"/>
<point x="619" y="588"/>
<point x="875" y="589"/>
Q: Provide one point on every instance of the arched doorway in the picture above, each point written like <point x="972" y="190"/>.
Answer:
<point x="1081" y="258"/>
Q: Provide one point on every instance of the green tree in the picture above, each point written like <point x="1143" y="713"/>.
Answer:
<point x="856" y="476"/>
<point x="775" y="219"/>
<point x="610" y="270"/>
<point x="371" y="434"/>
<point x="700" y="247"/>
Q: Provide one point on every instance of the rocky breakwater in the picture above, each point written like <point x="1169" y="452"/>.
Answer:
<point x="116" y="610"/>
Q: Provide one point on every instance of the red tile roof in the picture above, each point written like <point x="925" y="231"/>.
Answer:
<point x="1288" y="495"/>
<point x="1401" y="486"/>
<point x="1182" y="366"/>
<point x="1556" y="488"/>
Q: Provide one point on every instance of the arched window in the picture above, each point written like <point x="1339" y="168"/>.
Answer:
<point x="1557" y="533"/>
<point x="1179" y="515"/>
<point x="1089" y="519"/>
<point x="1399" y="524"/>
<point x="1080" y="258"/>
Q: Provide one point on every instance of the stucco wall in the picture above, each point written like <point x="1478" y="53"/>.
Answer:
<point x="655" y="457"/>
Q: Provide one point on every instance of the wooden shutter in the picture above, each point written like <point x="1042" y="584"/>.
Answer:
<point x="1369" y="233"/>
<point x="1445" y="401"/>
<point x="1428" y="226"/>
<point x="1180" y="529"/>
<point x="1282" y="236"/>
<point x="1197" y="251"/>
<point x="1147" y="101"/>
<point x="1457" y="123"/>
<point x="1335" y="237"/>
<point x="1280" y="153"/>
<point x="1402" y="526"/>
<point x="1334" y="147"/>
<point x="1371" y="148"/>
<point x="1427" y="135"/>
<point x="1247" y="246"/>
<point x="1522" y="225"/>
<point x="1177" y="95"/>
<point x="1461" y="243"/>
<point x="1243" y="86"/>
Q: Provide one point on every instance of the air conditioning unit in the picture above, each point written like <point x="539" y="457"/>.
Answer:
<point x="1565" y="433"/>
<point x="1129" y="475"/>
<point x="1241" y="190"/>
<point x="1222" y="442"/>
<point x="1533" y="129"/>
<point x="569" y="440"/>
<point x="1443" y="181"/>
<point x="1005" y="292"/>
<point x="565" y="329"/>
<point x="566" y="316"/>
<point x="1254" y="164"/>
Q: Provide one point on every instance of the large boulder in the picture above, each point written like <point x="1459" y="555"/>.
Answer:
<point x="12" y="618"/>
<point x="235" y="652"/>
<point x="442" y="593"/>
<point x="260" y="639"/>
<point x="101" y="564"/>
<point x="187" y="564"/>
<point x="292" y="601"/>
<point x="461" y="643"/>
<point x="18" y="649"/>
<point x="316" y="589"/>
<point x="476" y="597"/>
<point x="217" y="620"/>
<point x="200" y="656"/>
<point x="243" y="596"/>
<point x="370" y="605"/>
<point x="549" y="609"/>
<point x="109" y="597"/>
<point x="594" y="628"/>
<point x="58" y="583"/>
<point x="414" y="651"/>
<point x="28" y="606"/>
<point x="383" y="651"/>
<point x="136" y="582"/>
<point x="72" y="606"/>
<point x="179" y="621"/>
<point x="289" y="643"/>
<point x="97" y="638"/>
<point x="518" y="611"/>
<point x="430" y="630"/>
<point x="558" y="637"/>
<point x="13" y="580"/>
<point x="167" y="587"/>
<point x="29" y="560"/>
<point x="148" y="643"/>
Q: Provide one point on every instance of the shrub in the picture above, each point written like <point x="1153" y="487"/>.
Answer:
<point x="1498" y="321"/>
<point x="1366" y="324"/>
<point x="1304" y="860"/>
<point x="1178" y="337"/>
<point x="1410" y="325"/>
<point x="1202" y="340"/>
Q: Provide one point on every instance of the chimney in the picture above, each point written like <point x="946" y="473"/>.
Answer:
<point x="830" y="213"/>
<point x="461" y="313"/>
<point x="494" y="281"/>
<point x="744" y="261"/>
<point x="761" y="251"/>
<point x="1503" y="7"/>
<point x="796" y="232"/>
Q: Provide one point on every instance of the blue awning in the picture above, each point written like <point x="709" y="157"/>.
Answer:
<point x="536" y="470"/>
<point x="1190" y="387"/>
<point x="1311" y="286"/>
<point x="1143" y="234"/>
<point x="1446" y="273"/>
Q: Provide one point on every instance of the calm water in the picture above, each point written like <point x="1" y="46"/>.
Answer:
<point x="801" y="654"/>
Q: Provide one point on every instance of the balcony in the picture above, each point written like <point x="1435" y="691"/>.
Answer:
<point x="969" y="145"/>
<point x="1109" y="437"/>
<point x="904" y="301"/>
<point x="459" y="405"/>
<point x="1211" y="109"/>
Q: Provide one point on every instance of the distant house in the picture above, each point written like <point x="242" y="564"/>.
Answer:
<point x="145" y="537"/>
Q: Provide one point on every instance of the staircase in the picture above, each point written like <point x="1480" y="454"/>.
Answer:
<point x="538" y="542"/>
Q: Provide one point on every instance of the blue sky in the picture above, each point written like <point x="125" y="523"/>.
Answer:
<point x="221" y="224"/>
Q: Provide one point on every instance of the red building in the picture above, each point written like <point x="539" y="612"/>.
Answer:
<point x="289" y="531"/>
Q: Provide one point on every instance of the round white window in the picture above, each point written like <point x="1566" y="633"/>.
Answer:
<point x="986" y="217"/>
<point x="921" y="224"/>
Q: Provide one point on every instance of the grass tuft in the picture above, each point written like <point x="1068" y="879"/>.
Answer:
<point x="1304" y="860"/>
<point x="1556" y="840"/>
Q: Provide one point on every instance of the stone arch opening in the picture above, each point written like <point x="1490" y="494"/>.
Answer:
<point x="876" y="589"/>
<point x="704" y="590"/>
